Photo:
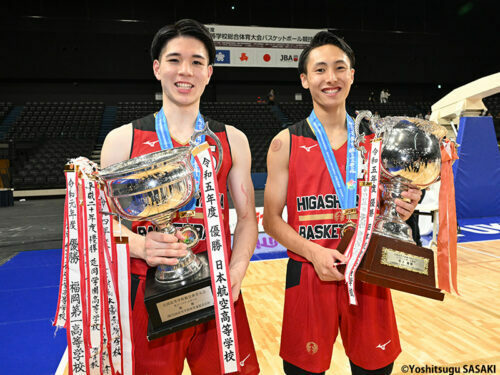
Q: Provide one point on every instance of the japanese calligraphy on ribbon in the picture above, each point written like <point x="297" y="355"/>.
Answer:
<point x="93" y="303"/>
<point x="366" y="218"/>
<point x="217" y="254"/>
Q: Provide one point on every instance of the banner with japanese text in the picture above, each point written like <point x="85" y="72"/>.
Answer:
<point x="259" y="46"/>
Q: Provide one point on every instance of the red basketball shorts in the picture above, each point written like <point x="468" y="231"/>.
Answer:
<point x="314" y="312"/>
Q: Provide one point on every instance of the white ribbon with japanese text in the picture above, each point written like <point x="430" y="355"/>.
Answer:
<point x="366" y="218"/>
<point x="94" y="294"/>
<point x="216" y="248"/>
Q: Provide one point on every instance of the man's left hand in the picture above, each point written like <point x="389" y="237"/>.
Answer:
<point x="404" y="208"/>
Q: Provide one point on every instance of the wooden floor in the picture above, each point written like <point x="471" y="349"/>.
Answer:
<point x="461" y="330"/>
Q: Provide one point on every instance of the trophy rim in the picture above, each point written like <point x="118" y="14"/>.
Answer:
<point x="428" y="126"/>
<point x="144" y="162"/>
<point x="387" y="125"/>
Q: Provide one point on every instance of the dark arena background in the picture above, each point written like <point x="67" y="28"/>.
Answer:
<point x="72" y="71"/>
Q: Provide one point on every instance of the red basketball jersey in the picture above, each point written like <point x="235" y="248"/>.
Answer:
<point x="145" y="141"/>
<point x="313" y="206"/>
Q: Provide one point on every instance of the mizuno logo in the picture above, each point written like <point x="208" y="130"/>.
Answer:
<point x="151" y="143"/>
<point x="382" y="346"/>
<point x="307" y="148"/>
<point x="242" y="363"/>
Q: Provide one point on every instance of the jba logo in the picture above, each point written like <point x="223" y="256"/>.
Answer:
<point x="288" y="58"/>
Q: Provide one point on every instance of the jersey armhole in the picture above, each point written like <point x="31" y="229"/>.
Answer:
<point x="132" y="140"/>
<point x="224" y="127"/>
<point x="229" y="146"/>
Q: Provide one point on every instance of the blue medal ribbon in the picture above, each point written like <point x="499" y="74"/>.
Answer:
<point x="345" y="191"/>
<point x="161" y="127"/>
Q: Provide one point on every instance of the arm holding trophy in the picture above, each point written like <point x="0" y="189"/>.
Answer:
<point x="408" y="154"/>
<point x="155" y="248"/>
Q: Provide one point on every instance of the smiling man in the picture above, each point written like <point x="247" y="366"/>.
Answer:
<point x="183" y="56"/>
<point x="316" y="298"/>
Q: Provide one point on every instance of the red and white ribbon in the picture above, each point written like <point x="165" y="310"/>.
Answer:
<point x="366" y="218"/>
<point x="78" y="350"/>
<point x="94" y="282"/>
<point x="94" y="296"/>
<point x="123" y="275"/>
<point x="113" y="319"/>
<point x="60" y="318"/>
<point x="216" y="248"/>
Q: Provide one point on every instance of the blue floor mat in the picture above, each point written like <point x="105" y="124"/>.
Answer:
<point x="28" y="296"/>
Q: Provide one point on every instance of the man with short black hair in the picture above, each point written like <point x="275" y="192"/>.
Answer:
<point x="316" y="298"/>
<point x="183" y="56"/>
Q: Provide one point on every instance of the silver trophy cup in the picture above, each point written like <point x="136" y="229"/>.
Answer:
<point x="411" y="157"/>
<point x="154" y="187"/>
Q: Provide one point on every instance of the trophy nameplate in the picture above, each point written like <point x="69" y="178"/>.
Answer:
<point x="395" y="264"/>
<point x="176" y="306"/>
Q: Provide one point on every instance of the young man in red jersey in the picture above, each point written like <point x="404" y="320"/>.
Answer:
<point x="183" y="56"/>
<point x="316" y="297"/>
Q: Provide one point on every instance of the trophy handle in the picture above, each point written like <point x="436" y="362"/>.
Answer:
<point x="359" y="137"/>
<point x="206" y="131"/>
<point x="360" y="117"/>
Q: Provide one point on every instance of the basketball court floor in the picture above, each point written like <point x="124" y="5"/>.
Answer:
<point x="463" y="330"/>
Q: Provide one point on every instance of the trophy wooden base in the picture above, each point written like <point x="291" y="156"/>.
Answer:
<point x="177" y="306"/>
<point x="396" y="264"/>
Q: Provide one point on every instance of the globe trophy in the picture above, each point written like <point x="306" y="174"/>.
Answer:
<point x="410" y="157"/>
<point x="154" y="187"/>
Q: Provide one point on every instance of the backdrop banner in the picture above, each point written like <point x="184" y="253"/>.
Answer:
<point x="266" y="47"/>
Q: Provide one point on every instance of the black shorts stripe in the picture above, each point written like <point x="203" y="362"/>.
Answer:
<point x="293" y="272"/>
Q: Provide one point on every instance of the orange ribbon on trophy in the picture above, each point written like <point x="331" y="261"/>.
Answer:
<point x="447" y="236"/>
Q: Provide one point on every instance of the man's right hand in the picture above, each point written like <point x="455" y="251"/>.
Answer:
<point x="163" y="248"/>
<point x="323" y="260"/>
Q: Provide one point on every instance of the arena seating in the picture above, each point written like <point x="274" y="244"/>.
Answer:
<point x="5" y="107"/>
<point x="46" y="135"/>
<point x="493" y="104"/>
<point x="52" y="132"/>
<point x="43" y="165"/>
<point x="296" y="111"/>
<point x="254" y="119"/>
<point x="57" y="120"/>
<point x="399" y="108"/>
<point x="129" y="111"/>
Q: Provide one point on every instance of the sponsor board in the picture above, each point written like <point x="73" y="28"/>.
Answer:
<point x="259" y="46"/>
<point x="268" y="248"/>
<point x="471" y="230"/>
<point x="480" y="229"/>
